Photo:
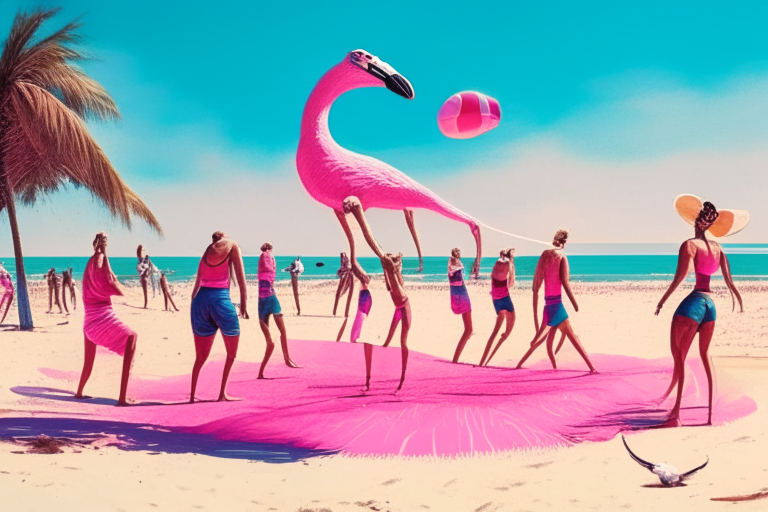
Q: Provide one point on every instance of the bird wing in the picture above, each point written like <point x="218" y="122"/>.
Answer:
<point x="647" y="465"/>
<point x="691" y="472"/>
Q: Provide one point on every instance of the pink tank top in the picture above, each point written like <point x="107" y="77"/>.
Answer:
<point x="267" y="270"/>
<point x="705" y="263"/>
<point x="552" y="283"/>
<point x="214" y="276"/>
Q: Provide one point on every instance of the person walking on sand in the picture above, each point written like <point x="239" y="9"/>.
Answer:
<point x="696" y="313"/>
<point x="552" y="269"/>
<point x="6" y="292"/>
<point x="144" y="269"/>
<point x="502" y="279"/>
<point x="101" y="326"/>
<point x="54" y="284"/>
<point x="68" y="283"/>
<point x="393" y="278"/>
<point x="270" y="306"/>
<point x="346" y="280"/>
<point x="167" y="292"/>
<point x="212" y="307"/>
<point x="296" y="268"/>
<point x="460" y="304"/>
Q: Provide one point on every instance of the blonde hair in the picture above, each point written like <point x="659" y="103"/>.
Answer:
<point x="560" y="237"/>
<point x="100" y="237"/>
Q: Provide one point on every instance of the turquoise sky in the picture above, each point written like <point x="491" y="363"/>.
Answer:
<point x="212" y="92"/>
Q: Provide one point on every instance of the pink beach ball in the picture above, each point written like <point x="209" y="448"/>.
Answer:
<point x="468" y="114"/>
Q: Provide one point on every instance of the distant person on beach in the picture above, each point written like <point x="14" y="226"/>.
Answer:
<point x="54" y="284"/>
<point x="166" y="292"/>
<point x="696" y="313"/>
<point x="6" y="292"/>
<point x="346" y="279"/>
<point x="502" y="279"/>
<point x="212" y="307"/>
<point x="460" y="304"/>
<point x="101" y="326"/>
<point x="392" y="265"/>
<point x="296" y="268"/>
<point x="270" y="306"/>
<point x="552" y="269"/>
<point x="144" y="269"/>
<point x="68" y="283"/>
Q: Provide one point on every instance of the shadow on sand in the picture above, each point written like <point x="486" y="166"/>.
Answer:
<point x="153" y="439"/>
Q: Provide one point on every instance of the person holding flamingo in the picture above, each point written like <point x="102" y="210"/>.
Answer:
<point x="393" y="278"/>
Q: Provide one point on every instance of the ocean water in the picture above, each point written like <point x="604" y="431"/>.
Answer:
<point x="748" y="262"/>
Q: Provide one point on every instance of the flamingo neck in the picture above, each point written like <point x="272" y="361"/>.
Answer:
<point x="314" y="123"/>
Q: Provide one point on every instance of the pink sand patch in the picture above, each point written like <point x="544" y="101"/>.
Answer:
<point x="444" y="409"/>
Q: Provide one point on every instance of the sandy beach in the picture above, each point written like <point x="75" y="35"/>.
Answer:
<point x="613" y="319"/>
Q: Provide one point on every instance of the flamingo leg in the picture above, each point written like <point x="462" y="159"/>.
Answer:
<point x="357" y="270"/>
<point x="478" y="242"/>
<point x="412" y="227"/>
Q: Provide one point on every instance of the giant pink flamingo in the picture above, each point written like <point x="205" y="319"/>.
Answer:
<point x="331" y="173"/>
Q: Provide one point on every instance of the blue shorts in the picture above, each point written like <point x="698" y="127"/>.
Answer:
<point x="554" y="312"/>
<point x="698" y="306"/>
<point x="211" y="310"/>
<point x="503" y="304"/>
<point x="269" y="306"/>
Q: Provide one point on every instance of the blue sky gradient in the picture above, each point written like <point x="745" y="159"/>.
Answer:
<point x="215" y="91"/>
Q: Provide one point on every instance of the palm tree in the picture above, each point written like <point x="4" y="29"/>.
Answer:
<point x="44" y="142"/>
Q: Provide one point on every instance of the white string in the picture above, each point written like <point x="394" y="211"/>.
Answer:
<point x="514" y="235"/>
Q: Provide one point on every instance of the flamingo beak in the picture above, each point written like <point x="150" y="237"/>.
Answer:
<point x="393" y="80"/>
<point x="400" y="85"/>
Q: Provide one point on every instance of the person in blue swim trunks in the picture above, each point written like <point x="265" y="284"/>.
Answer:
<point x="696" y="313"/>
<point x="270" y="306"/>
<point x="552" y="269"/>
<point x="502" y="279"/>
<point x="212" y="309"/>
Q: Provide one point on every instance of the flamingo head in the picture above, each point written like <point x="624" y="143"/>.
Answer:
<point x="374" y="72"/>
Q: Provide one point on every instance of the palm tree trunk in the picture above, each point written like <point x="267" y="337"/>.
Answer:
<point x="22" y="294"/>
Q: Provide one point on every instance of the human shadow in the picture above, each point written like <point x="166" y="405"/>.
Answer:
<point x="63" y="395"/>
<point x="153" y="439"/>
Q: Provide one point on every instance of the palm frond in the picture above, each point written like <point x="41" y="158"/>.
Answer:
<point x="44" y="100"/>
<point x="49" y="145"/>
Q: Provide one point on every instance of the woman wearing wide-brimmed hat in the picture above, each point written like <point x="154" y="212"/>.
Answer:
<point x="696" y="313"/>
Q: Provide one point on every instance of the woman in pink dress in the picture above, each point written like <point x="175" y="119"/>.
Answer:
<point x="6" y="292"/>
<point x="101" y="326"/>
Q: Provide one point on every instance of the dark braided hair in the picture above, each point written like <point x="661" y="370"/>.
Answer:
<point x="707" y="216"/>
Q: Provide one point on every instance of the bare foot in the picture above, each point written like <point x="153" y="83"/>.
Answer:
<point x="81" y="396"/>
<point x="260" y="377"/>
<point x="126" y="402"/>
<point x="227" y="398"/>
<point x="291" y="364"/>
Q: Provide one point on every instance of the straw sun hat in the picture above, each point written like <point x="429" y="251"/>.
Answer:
<point x="728" y="223"/>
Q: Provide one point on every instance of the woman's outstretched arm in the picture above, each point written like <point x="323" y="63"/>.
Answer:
<point x="683" y="264"/>
<point x="538" y="277"/>
<point x="565" y="278"/>
<point x="726" y="267"/>
<point x="511" y="271"/>
<point x="237" y="261"/>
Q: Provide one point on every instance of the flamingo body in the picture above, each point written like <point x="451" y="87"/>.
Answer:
<point x="331" y="173"/>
